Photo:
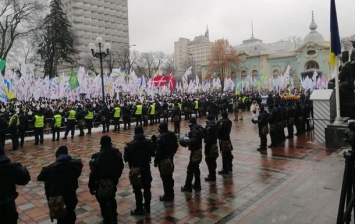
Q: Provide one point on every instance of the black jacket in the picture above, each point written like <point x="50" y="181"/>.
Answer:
<point x="3" y="125"/>
<point x="61" y="177"/>
<point x="196" y="135"/>
<point x="23" y="121"/>
<point x="14" y="174"/>
<point x="106" y="164"/>
<point x="166" y="146"/>
<point x="139" y="151"/>
<point x="224" y="128"/>
<point x="211" y="132"/>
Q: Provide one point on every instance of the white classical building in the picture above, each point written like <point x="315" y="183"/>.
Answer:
<point x="93" y="18"/>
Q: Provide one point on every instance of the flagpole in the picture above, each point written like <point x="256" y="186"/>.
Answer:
<point x="338" y="118"/>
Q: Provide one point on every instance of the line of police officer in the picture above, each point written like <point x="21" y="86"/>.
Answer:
<point x="281" y="116"/>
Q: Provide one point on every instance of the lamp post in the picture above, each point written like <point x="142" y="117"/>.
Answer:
<point x="100" y="55"/>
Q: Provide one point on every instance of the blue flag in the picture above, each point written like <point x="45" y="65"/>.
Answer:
<point x="335" y="48"/>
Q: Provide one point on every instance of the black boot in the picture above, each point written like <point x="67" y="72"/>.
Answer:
<point x="138" y="211"/>
<point x="186" y="189"/>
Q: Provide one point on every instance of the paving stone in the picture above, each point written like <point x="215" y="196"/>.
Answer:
<point x="276" y="186"/>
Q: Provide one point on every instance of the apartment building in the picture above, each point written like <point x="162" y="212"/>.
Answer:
<point x="93" y="18"/>
<point x="193" y="53"/>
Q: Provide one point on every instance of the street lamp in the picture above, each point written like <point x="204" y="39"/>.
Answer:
<point x="100" y="55"/>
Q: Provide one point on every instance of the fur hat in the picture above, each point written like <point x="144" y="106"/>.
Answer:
<point x="163" y="126"/>
<point x="224" y="114"/>
<point x="61" y="150"/>
<point x="210" y="117"/>
<point x="138" y="130"/>
<point x="193" y="121"/>
<point x="105" y="141"/>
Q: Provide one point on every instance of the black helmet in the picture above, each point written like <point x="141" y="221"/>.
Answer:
<point x="184" y="141"/>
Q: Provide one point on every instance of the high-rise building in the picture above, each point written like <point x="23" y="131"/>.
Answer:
<point x="193" y="53"/>
<point x="93" y="18"/>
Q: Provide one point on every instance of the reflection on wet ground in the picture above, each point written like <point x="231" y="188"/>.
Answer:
<point x="256" y="177"/>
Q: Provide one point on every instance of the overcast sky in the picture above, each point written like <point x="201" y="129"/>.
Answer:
<point x="154" y="25"/>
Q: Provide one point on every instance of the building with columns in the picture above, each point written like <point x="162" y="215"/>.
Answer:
<point x="273" y="59"/>
<point x="256" y="57"/>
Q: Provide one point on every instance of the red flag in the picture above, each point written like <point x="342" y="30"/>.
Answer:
<point x="159" y="80"/>
<point x="171" y="81"/>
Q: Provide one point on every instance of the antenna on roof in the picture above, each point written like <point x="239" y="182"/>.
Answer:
<point x="252" y="30"/>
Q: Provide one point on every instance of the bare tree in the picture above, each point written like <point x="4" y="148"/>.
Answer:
<point x="292" y="41"/>
<point x="89" y="63"/>
<point x="169" y="63"/>
<point x="223" y="56"/>
<point x="111" y="60"/>
<point x="346" y="42"/>
<point x="146" y="63"/>
<point x="159" y="58"/>
<point x="18" y="19"/>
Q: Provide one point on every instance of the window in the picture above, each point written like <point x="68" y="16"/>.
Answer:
<point x="243" y="75"/>
<point x="275" y="74"/>
<point x="312" y="65"/>
<point x="311" y="52"/>
<point x="255" y="75"/>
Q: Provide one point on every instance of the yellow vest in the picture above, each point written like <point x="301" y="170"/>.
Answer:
<point x="180" y="106"/>
<point x="39" y="123"/>
<point x="58" y="120"/>
<point x="89" y="115"/>
<point x="138" y="110"/>
<point x="117" y="112"/>
<point x="196" y="104"/>
<point x="152" y="109"/>
<point x="231" y="101"/>
<point x="13" y="117"/>
<point x="72" y="114"/>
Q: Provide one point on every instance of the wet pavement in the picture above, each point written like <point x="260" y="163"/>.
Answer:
<point x="296" y="182"/>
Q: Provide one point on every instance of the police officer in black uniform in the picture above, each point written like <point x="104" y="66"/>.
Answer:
<point x="158" y="112"/>
<point x="105" y="118"/>
<point x="126" y="116"/>
<point x="299" y="122"/>
<point x="306" y="115"/>
<point x="138" y="154"/>
<point x="23" y="126"/>
<point x="145" y="114"/>
<point x="263" y="128"/>
<point x="291" y="120"/>
<point x="176" y="116"/>
<point x="166" y="147"/>
<point x="61" y="179"/>
<point x="80" y="117"/>
<point x="3" y="129"/>
<point x="224" y="130"/>
<point x="13" y="128"/>
<point x="273" y="128"/>
<point x="211" y="135"/>
<point x="196" y="136"/>
<point x="165" y="111"/>
<point x="14" y="174"/>
<point x="106" y="168"/>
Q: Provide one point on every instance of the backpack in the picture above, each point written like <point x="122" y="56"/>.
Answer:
<point x="135" y="177"/>
<point x="57" y="207"/>
<point x="105" y="188"/>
